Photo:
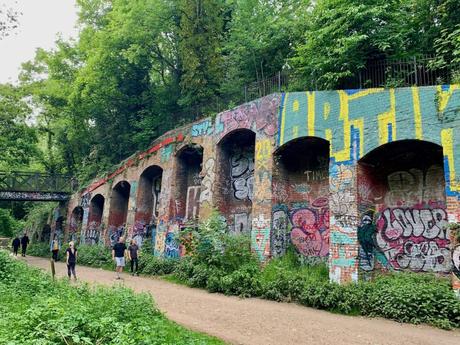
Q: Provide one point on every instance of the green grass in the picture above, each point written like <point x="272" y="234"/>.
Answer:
<point x="35" y="310"/>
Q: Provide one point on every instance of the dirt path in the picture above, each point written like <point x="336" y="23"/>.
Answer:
<point x="254" y="321"/>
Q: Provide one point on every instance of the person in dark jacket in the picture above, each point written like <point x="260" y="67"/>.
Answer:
<point x="71" y="260"/>
<point x="15" y="244"/>
<point x="133" y="255"/>
<point x="24" y="242"/>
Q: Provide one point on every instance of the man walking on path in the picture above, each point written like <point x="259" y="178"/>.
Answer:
<point x="15" y="244"/>
<point x="118" y="255"/>
<point x="24" y="242"/>
<point x="133" y="251"/>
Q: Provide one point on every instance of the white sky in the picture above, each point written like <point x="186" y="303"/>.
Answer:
<point x="39" y="24"/>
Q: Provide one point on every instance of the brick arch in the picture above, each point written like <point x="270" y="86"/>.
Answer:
<point x="187" y="177"/>
<point x="235" y="178"/>
<point x="118" y="210"/>
<point x="403" y="211"/>
<point x="300" y="211"/>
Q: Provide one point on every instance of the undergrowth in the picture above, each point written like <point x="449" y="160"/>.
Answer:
<point x="36" y="310"/>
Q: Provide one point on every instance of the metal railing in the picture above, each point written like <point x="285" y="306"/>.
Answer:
<point x="35" y="182"/>
<point x="415" y="71"/>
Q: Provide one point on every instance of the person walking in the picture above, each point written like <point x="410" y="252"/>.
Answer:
<point x="55" y="248"/>
<point x="24" y="242"/>
<point x="71" y="260"/>
<point x="15" y="244"/>
<point x="133" y="255"/>
<point x="118" y="255"/>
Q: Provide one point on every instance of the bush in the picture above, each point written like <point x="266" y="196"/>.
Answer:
<point x="152" y="265"/>
<point x="94" y="256"/>
<point x="37" y="310"/>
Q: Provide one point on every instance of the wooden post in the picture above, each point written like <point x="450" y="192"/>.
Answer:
<point x="53" y="270"/>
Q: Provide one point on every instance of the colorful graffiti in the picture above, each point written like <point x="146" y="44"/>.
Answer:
<point x="260" y="237"/>
<point x="259" y="115"/>
<point x="310" y="230"/>
<point x="202" y="128"/>
<point x="171" y="250"/>
<point x="415" y="238"/>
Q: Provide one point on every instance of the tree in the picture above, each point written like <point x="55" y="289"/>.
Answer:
<point x="342" y="35"/>
<point x="261" y="37"/>
<point x="201" y="33"/>
<point x="17" y="139"/>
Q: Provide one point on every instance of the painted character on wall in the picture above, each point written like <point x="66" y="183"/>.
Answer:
<point x="366" y="233"/>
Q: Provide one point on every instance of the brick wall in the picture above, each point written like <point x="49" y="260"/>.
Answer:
<point x="344" y="204"/>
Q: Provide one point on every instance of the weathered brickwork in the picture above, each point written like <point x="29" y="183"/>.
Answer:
<point x="364" y="179"/>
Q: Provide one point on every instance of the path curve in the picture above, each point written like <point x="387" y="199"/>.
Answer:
<point x="254" y="321"/>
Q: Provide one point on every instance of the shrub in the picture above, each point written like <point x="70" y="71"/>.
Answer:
<point x="95" y="256"/>
<point x="152" y="265"/>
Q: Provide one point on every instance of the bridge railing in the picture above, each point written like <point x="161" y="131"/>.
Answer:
<point x="35" y="182"/>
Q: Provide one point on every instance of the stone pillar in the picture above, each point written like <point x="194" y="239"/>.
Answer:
<point x="208" y="174"/>
<point x="104" y="235"/>
<point x="262" y="197"/>
<point x="131" y="209"/>
<point x="343" y="204"/>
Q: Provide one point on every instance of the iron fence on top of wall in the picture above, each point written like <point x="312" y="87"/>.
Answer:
<point x="414" y="71"/>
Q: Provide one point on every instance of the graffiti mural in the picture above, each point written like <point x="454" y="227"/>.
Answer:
<point x="456" y="261"/>
<point x="139" y="232"/>
<point x="280" y="235"/>
<point x="202" y="128"/>
<point x="310" y="229"/>
<point x="93" y="233"/>
<point x="259" y="115"/>
<point x="242" y="174"/>
<point x="415" y="238"/>
<point x="208" y="181"/>
<point x="115" y="233"/>
<point x="366" y="235"/>
<point x="260" y="237"/>
<point x="171" y="250"/>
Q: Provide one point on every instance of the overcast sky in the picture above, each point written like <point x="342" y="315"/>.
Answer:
<point x="39" y="24"/>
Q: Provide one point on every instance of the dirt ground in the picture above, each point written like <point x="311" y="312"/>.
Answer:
<point x="254" y="321"/>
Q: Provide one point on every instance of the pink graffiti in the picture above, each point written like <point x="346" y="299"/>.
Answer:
<point x="415" y="238"/>
<point x="310" y="233"/>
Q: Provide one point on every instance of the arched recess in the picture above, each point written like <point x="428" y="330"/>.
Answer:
<point x="301" y="197"/>
<point x="189" y="162"/>
<point x="402" y="208"/>
<point x="76" y="220"/>
<point x="235" y="179"/>
<point x="118" y="211"/>
<point x="148" y="200"/>
<point x="94" y="229"/>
